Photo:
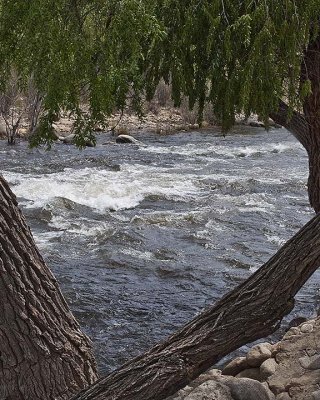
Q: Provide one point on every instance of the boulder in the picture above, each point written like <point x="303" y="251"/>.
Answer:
<point x="252" y="373"/>
<point x="283" y="396"/>
<point x="257" y="124"/>
<point x="306" y="328"/>
<point x="127" y="139"/>
<point x="259" y="353"/>
<point x="70" y="139"/>
<point x="211" y="390"/>
<point x="248" y="389"/>
<point x="235" y="366"/>
<point x="268" y="368"/>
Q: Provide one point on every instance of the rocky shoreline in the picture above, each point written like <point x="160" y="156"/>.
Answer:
<point x="289" y="369"/>
<point x="163" y="121"/>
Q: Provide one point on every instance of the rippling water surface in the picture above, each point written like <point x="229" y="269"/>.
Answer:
<point x="142" y="238"/>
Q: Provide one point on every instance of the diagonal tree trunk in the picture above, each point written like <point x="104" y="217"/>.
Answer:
<point x="251" y="311"/>
<point x="43" y="353"/>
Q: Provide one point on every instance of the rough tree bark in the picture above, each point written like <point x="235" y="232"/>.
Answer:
<point x="43" y="353"/>
<point x="306" y="127"/>
<point x="251" y="311"/>
<point x="311" y="70"/>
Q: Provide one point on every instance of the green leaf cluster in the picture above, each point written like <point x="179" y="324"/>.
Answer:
<point x="239" y="55"/>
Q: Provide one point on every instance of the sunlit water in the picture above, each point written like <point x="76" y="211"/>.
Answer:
<point x="142" y="238"/>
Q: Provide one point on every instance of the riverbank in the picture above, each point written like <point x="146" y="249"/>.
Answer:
<point x="161" y="120"/>
<point x="288" y="369"/>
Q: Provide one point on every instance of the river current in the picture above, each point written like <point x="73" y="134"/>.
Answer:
<point x="141" y="239"/>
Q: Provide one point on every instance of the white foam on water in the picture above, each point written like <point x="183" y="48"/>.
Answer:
<point x="82" y="226"/>
<point x="275" y="240"/>
<point x="144" y="255"/>
<point x="44" y="239"/>
<point x="168" y="218"/>
<point x="102" y="189"/>
<point x="223" y="150"/>
<point x="251" y="202"/>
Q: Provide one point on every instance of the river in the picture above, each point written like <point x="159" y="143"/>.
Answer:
<point x="142" y="238"/>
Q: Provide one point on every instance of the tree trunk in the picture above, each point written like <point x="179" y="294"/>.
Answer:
<point x="251" y="311"/>
<point x="43" y="353"/>
<point x="306" y="128"/>
<point x="311" y="70"/>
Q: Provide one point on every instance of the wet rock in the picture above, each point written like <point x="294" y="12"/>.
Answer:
<point x="257" y="124"/>
<point x="252" y="373"/>
<point x="127" y="139"/>
<point x="268" y="368"/>
<point x="258" y="354"/>
<point x="69" y="139"/>
<point x="296" y="322"/>
<point x="235" y="366"/>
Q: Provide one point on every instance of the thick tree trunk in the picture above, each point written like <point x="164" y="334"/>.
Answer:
<point x="43" y="353"/>
<point x="311" y="108"/>
<point x="306" y="128"/>
<point x="251" y="311"/>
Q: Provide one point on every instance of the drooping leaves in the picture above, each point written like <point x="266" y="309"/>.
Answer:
<point x="242" y="56"/>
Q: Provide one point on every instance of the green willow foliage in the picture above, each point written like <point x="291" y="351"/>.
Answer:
<point x="239" y="55"/>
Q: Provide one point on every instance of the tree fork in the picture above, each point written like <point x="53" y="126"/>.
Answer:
<point x="43" y="353"/>
<point x="251" y="311"/>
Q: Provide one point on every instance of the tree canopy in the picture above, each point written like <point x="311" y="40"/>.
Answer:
<point x="241" y="56"/>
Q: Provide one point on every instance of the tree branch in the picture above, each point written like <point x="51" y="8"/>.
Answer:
<point x="295" y="123"/>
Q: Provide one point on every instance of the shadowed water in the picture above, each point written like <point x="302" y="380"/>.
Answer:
<point x="141" y="239"/>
